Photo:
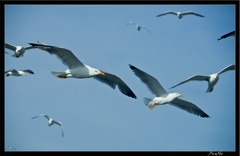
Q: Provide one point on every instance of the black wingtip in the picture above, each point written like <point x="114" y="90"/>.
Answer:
<point x="132" y="67"/>
<point x="33" y="44"/>
<point x="205" y="116"/>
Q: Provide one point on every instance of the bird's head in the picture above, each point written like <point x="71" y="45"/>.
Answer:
<point x="176" y="95"/>
<point x="94" y="71"/>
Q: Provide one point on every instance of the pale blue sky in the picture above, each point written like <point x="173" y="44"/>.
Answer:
<point x="98" y="118"/>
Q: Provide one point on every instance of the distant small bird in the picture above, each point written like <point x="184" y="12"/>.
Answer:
<point x="18" y="50"/>
<point x="163" y="97"/>
<point x="14" y="72"/>
<point x="211" y="79"/>
<point x="227" y="35"/>
<point x="180" y="14"/>
<point x="50" y="121"/>
<point x="139" y="27"/>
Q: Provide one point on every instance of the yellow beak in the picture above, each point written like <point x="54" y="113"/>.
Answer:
<point x="101" y="73"/>
<point x="181" y="95"/>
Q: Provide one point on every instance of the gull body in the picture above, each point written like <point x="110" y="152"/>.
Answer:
<point x="14" y="72"/>
<point x="50" y="121"/>
<point x="227" y="35"/>
<point x="163" y="97"/>
<point x="139" y="27"/>
<point x="18" y="50"/>
<point x="76" y="69"/>
<point x="211" y="79"/>
<point x="180" y="14"/>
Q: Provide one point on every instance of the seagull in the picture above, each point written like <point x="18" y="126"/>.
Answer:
<point x="76" y="69"/>
<point x="180" y="14"/>
<point x="162" y="97"/>
<point x="139" y="27"/>
<point x="50" y="121"/>
<point x="227" y="35"/>
<point x="18" y="50"/>
<point x="15" y="72"/>
<point x="211" y="79"/>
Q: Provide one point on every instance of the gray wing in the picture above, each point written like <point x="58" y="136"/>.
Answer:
<point x="189" y="107"/>
<point x="192" y="13"/>
<point x="10" y="70"/>
<point x="60" y="124"/>
<point x="194" y="78"/>
<point x="10" y="46"/>
<point x="44" y="115"/>
<point x="152" y="84"/>
<point x="131" y="23"/>
<point x="29" y="47"/>
<point x="230" y="67"/>
<point x="146" y="29"/>
<point x="112" y="81"/>
<point x="28" y="71"/>
<point x="64" y="55"/>
<point x="227" y="35"/>
<point x="168" y="12"/>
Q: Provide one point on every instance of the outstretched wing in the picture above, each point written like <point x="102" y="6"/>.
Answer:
<point x="192" y="13"/>
<point x="230" y="67"/>
<point x="64" y="55"/>
<point x="113" y="81"/>
<point x="131" y="23"/>
<point x="189" y="107"/>
<point x="146" y="29"/>
<point x="10" y="46"/>
<point x="60" y="124"/>
<point x="227" y="35"/>
<point x="28" y="71"/>
<point x="152" y="84"/>
<point x="168" y="12"/>
<point x="41" y="115"/>
<point x="194" y="78"/>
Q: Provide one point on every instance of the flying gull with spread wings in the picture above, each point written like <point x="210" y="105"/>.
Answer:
<point x="18" y="50"/>
<point x="76" y="69"/>
<point x="180" y="14"/>
<point x="50" y="121"/>
<point x="139" y="27"/>
<point x="211" y="79"/>
<point x="14" y="72"/>
<point x="163" y="97"/>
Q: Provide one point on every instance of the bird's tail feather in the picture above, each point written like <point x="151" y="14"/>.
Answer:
<point x="146" y="101"/>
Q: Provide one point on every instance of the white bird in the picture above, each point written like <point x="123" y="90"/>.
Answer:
<point x="139" y="27"/>
<point x="180" y="14"/>
<point x="211" y="79"/>
<point x="14" y="72"/>
<point x="227" y="35"/>
<point x="18" y="50"/>
<point x="162" y="97"/>
<point x="50" y="121"/>
<point x="76" y="69"/>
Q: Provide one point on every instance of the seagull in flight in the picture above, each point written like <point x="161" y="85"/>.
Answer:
<point x="18" y="50"/>
<point x="227" y="35"/>
<point x="14" y="72"/>
<point x="76" y="69"/>
<point x="211" y="79"/>
<point x="162" y="97"/>
<point x="50" y="121"/>
<point x="180" y="14"/>
<point x="139" y="27"/>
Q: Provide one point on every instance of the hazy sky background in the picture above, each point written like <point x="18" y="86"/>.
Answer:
<point x="97" y="118"/>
